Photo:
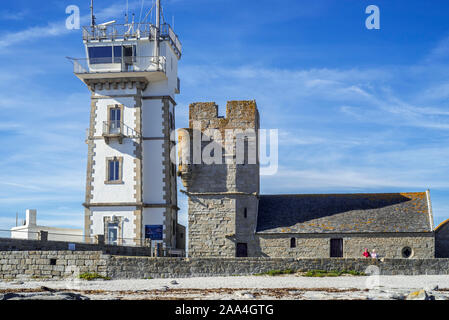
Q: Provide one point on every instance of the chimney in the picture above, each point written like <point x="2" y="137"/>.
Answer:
<point x="31" y="217"/>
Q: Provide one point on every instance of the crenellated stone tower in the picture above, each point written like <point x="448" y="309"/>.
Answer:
<point x="132" y="73"/>
<point x="222" y="195"/>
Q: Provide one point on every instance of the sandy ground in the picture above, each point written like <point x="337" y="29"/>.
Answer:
<point x="243" y="288"/>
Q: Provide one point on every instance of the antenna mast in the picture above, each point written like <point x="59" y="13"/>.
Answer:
<point x="158" y="28"/>
<point x="92" y="17"/>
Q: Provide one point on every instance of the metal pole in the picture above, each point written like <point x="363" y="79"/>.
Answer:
<point x="92" y="17"/>
<point x="127" y="11"/>
<point x="158" y="27"/>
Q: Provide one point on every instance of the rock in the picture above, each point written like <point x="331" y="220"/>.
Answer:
<point x="431" y="287"/>
<point x="246" y="295"/>
<point x="419" y="295"/>
<point x="46" y="289"/>
<point x="17" y="283"/>
<point x="441" y="297"/>
<point x="397" y="296"/>
<point x="174" y="282"/>
<point x="8" y="296"/>
<point x="72" y="296"/>
<point x="164" y="288"/>
<point x="47" y="296"/>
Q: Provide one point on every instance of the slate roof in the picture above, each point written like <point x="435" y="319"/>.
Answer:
<point x="344" y="213"/>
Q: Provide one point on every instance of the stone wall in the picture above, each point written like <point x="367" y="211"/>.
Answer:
<point x="68" y="264"/>
<point x="211" y="226"/>
<point x="220" y="193"/>
<point x="139" y="267"/>
<point x="318" y="245"/>
<point x="181" y="237"/>
<point x="7" y="244"/>
<point x="442" y="240"/>
<point x="50" y="264"/>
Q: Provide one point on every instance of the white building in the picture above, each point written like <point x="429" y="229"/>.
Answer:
<point x="30" y="231"/>
<point x="132" y="73"/>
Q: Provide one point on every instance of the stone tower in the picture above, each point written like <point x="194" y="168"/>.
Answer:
<point x="131" y="71"/>
<point x="223" y="193"/>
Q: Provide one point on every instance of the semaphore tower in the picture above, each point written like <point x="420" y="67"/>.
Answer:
<point x="131" y="71"/>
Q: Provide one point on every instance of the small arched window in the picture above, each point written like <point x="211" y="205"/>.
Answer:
<point x="293" y="243"/>
<point x="245" y="213"/>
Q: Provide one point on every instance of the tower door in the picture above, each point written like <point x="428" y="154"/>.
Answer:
<point x="336" y="248"/>
<point x="115" y="118"/>
<point x="242" y="250"/>
<point x="128" y="57"/>
<point x="113" y="233"/>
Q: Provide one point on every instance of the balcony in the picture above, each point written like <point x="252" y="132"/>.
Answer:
<point x="151" y="68"/>
<point x="118" y="130"/>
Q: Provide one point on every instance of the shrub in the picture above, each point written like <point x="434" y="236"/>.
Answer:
<point x="332" y="273"/>
<point x="92" y="276"/>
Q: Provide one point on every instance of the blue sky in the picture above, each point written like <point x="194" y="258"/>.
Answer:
<point x="357" y="110"/>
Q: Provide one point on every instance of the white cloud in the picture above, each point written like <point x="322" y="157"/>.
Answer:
<point x="55" y="29"/>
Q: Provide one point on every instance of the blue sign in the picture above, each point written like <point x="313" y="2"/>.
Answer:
<point x="154" y="232"/>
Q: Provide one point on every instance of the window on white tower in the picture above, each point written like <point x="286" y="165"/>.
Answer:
<point x="114" y="170"/>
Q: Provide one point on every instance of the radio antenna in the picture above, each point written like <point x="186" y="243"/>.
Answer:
<point x="127" y="11"/>
<point x="148" y="13"/>
<point x="140" y="17"/>
<point x="92" y="16"/>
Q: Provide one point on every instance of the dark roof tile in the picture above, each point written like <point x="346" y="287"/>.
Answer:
<point x="342" y="213"/>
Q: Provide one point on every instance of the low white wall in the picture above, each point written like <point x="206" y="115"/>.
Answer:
<point x="54" y="234"/>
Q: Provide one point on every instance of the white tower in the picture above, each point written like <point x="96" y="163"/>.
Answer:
<point x="132" y="73"/>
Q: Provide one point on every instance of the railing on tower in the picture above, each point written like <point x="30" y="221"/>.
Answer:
<point x="116" y="127"/>
<point x="119" y="64"/>
<point x="131" y="31"/>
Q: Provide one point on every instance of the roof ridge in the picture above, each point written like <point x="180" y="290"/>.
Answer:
<point x="339" y="194"/>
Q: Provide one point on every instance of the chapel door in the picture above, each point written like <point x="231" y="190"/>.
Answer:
<point x="336" y="248"/>
<point x="242" y="250"/>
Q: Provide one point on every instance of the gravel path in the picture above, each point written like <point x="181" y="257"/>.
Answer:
<point x="260" y="287"/>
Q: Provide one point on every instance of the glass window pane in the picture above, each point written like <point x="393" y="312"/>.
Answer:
<point x="115" y="115"/>
<point x="117" y="167"/>
<point x="100" y="55"/>
<point x="117" y="54"/>
<point x="111" y="170"/>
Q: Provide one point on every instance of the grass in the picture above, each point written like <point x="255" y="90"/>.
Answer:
<point x="92" y="276"/>
<point x="273" y="273"/>
<point x="333" y="273"/>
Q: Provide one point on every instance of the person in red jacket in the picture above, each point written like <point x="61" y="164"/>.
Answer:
<point x="366" y="254"/>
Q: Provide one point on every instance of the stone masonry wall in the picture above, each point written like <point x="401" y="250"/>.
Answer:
<point x="442" y="241"/>
<point x="50" y="264"/>
<point x="7" y="244"/>
<point x="211" y="226"/>
<point x="318" y="246"/>
<point x="139" y="267"/>
<point x="219" y="192"/>
<point x="68" y="264"/>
